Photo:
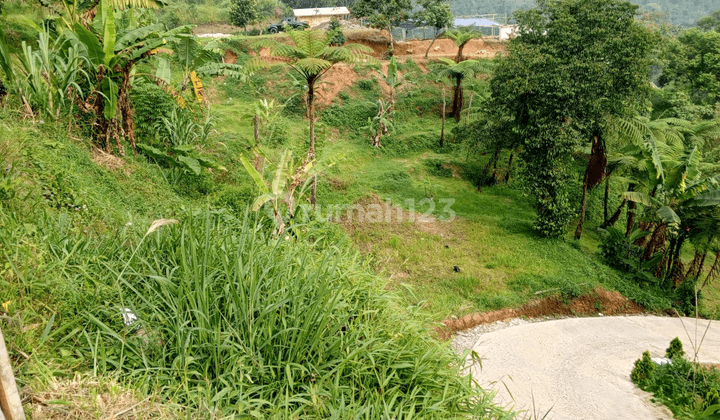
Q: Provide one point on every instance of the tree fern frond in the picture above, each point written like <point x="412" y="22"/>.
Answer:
<point x="256" y="64"/>
<point x="312" y="65"/>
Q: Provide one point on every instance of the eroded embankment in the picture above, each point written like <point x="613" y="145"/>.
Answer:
<point x="591" y="304"/>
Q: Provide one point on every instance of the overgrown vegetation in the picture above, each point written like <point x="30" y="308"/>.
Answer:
<point x="689" y="389"/>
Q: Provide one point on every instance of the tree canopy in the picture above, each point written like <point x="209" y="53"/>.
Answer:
<point x="574" y="64"/>
<point x="243" y="12"/>
<point x="693" y="64"/>
<point x="383" y="14"/>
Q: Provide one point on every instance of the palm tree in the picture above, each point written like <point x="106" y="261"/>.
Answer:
<point x="311" y="57"/>
<point x="461" y="37"/>
<point x="458" y="71"/>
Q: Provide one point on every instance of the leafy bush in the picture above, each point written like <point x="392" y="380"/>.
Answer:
<point x="620" y="251"/>
<point x="338" y="38"/>
<point x="402" y="144"/>
<point x="422" y="101"/>
<point x="643" y="370"/>
<point x="236" y="198"/>
<point x="366" y="84"/>
<point x="675" y="349"/>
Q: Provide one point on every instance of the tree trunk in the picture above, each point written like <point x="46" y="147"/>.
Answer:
<point x="583" y="209"/>
<point x="472" y="95"/>
<point x="459" y="56"/>
<point x="605" y="199"/>
<point x="594" y="173"/>
<point x="510" y="162"/>
<point x="256" y="126"/>
<point x="457" y="99"/>
<point x="714" y="270"/>
<point x="442" y="131"/>
<point x="391" y="48"/>
<point x="433" y="41"/>
<point x="496" y="157"/>
<point x="631" y="212"/>
<point x="697" y="265"/>
<point x="615" y="217"/>
<point x="676" y="269"/>
<point x="311" y="152"/>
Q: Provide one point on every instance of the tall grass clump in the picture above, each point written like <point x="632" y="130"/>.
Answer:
<point x="237" y="322"/>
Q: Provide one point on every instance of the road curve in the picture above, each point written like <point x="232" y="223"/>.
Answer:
<point x="580" y="367"/>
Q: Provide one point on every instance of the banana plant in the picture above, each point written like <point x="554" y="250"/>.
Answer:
<point x="678" y="203"/>
<point x="112" y="60"/>
<point x="289" y="176"/>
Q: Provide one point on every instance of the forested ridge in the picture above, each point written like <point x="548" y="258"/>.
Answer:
<point x="685" y="13"/>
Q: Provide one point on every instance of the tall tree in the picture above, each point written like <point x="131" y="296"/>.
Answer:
<point x="383" y="14"/>
<point x="435" y="13"/>
<point x="575" y="63"/>
<point x="693" y="63"/>
<point x="310" y="57"/>
<point x="243" y="12"/>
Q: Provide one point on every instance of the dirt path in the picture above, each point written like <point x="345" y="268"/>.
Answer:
<point x="580" y="367"/>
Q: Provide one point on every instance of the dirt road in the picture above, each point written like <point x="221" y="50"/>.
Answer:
<point x="580" y="367"/>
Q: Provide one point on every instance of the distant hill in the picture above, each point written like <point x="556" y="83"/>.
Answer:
<point x="682" y="12"/>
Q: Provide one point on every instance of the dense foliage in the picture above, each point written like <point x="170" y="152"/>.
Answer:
<point x="680" y="13"/>
<point x="243" y="12"/>
<point x="689" y="389"/>
<point x="575" y="64"/>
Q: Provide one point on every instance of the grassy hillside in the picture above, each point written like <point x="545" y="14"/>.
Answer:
<point x="332" y="317"/>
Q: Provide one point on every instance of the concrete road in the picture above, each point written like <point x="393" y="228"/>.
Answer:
<point x="579" y="368"/>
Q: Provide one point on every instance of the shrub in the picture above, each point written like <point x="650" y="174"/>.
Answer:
<point x="401" y="145"/>
<point x="338" y="38"/>
<point x="620" y="251"/>
<point x="675" y="349"/>
<point x="686" y="388"/>
<point x="643" y="370"/>
<point x="236" y="198"/>
<point x="366" y="84"/>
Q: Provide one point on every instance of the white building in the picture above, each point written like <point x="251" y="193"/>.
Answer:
<point x="320" y="15"/>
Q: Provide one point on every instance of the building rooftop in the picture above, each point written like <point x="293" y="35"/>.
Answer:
<point x="476" y="22"/>
<point x="322" y="11"/>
